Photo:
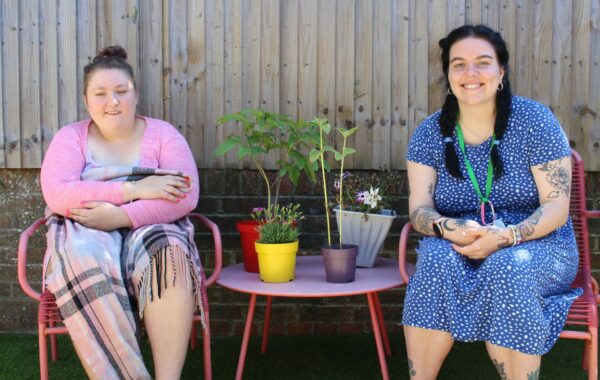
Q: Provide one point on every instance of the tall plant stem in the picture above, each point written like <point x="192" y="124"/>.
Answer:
<point x="264" y="175"/>
<point x="342" y="190"/>
<point x="325" y="190"/>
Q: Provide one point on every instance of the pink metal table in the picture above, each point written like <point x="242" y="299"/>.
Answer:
<point x="310" y="283"/>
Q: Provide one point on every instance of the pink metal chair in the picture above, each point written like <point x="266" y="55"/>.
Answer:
<point x="583" y="314"/>
<point x="50" y="321"/>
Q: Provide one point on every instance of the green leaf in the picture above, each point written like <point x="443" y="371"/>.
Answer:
<point x="349" y="151"/>
<point x="314" y="155"/>
<point x="226" y="146"/>
<point x="338" y="156"/>
<point x="243" y="152"/>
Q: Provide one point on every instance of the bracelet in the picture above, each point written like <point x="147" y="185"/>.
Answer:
<point x="516" y="234"/>
<point x="438" y="230"/>
<point x="133" y="192"/>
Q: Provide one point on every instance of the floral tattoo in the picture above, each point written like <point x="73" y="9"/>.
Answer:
<point x="500" y="368"/>
<point x="422" y="219"/>
<point x="534" y="375"/>
<point x="558" y="177"/>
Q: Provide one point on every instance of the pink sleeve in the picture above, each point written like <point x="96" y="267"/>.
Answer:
<point x="60" y="177"/>
<point x="175" y="154"/>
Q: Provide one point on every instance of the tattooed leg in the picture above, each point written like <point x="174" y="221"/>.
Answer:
<point x="534" y="375"/>
<point x="500" y="368"/>
<point x="422" y="219"/>
<point x="411" y="370"/>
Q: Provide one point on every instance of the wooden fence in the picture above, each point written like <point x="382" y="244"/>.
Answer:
<point x="371" y="63"/>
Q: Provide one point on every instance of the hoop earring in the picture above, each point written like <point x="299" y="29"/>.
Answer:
<point x="500" y="87"/>
<point x="450" y="91"/>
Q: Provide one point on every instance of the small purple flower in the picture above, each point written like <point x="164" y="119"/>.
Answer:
<point x="360" y="197"/>
<point x="345" y="175"/>
<point x="258" y="209"/>
<point x="336" y="185"/>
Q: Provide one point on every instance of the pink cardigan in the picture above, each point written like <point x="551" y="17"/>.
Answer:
<point x="162" y="147"/>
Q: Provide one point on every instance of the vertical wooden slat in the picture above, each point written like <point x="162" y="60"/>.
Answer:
<point x="489" y="13"/>
<point x="307" y="59"/>
<point x="196" y="85"/>
<point x="178" y="65"/>
<point x="400" y="94"/>
<point x="104" y="23"/>
<point x="437" y="30"/>
<point x="382" y="80"/>
<point x="2" y="57"/>
<point x="523" y="45"/>
<point x="86" y="46"/>
<point x="561" y="64"/>
<point x="594" y="141"/>
<point x="363" y="83"/>
<point x="288" y="103"/>
<point x="473" y="12"/>
<point x="150" y="74"/>
<point x="31" y="147"/>
<point x="49" y="72"/>
<point x="507" y="28"/>
<point x="233" y="71"/>
<point x="67" y="62"/>
<point x="344" y="72"/>
<point x="10" y="83"/>
<point x="583" y="121"/>
<point x="326" y="64"/>
<point x="166" y="58"/>
<point x="269" y="65"/>
<point x="455" y="15"/>
<point x="131" y="19"/>
<point x="213" y="134"/>
<point x="542" y="51"/>
<point x="418" y="74"/>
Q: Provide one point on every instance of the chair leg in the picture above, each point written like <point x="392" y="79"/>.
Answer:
<point x="193" y="336"/>
<point x="206" y="348"/>
<point x="43" y="346"/>
<point x="593" y="355"/>
<point x="53" y="345"/>
<point x="585" y="358"/>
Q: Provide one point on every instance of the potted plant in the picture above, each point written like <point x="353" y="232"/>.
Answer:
<point x="264" y="132"/>
<point x="340" y="259"/>
<point x="365" y="216"/>
<point x="278" y="241"/>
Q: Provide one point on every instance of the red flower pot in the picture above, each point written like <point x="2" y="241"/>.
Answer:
<point x="248" y="235"/>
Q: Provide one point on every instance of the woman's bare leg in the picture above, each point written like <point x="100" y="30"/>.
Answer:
<point x="426" y="350"/>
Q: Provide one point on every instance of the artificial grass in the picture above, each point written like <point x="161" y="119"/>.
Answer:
<point x="328" y="357"/>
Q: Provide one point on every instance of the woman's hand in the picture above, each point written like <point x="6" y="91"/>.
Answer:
<point x="102" y="216"/>
<point x="169" y="187"/>
<point x="488" y="239"/>
<point x="453" y="229"/>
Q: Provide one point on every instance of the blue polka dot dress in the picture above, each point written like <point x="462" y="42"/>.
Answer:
<point x="518" y="297"/>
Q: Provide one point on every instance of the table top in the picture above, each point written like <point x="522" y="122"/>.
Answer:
<point x="310" y="280"/>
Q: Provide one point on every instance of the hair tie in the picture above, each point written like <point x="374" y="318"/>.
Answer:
<point x="448" y="140"/>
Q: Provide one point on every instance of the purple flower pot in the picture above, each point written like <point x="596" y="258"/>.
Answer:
<point x="340" y="263"/>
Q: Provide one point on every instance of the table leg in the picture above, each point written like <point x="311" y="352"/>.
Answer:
<point x="384" y="333"/>
<point x="377" y="333"/>
<point x="242" y="360"/>
<point x="265" y="337"/>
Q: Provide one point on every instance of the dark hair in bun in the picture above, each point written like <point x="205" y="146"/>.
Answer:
<point x="111" y="57"/>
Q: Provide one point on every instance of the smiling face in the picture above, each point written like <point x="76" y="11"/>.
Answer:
<point x="474" y="72"/>
<point x="111" y="98"/>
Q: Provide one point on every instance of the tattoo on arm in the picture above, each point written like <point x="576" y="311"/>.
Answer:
<point x="461" y="223"/>
<point x="500" y="368"/>
<point x="446" y="225"/>
<point x="558" y="177"/>
<point x="430" y="190"/>
<point x="411" y="369"/>
<point x="422" y="219"/>
<point x="527" y="227"/>
<point x="535" y="375"/>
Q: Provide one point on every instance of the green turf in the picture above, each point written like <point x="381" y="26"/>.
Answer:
<point x="328" y="357"/>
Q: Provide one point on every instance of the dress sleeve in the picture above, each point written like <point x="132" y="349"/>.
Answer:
<point x="175" y="154"/>
<point x="60" y="176"/>
<point x="547" y="140"/>
<point x="422" y="144"/>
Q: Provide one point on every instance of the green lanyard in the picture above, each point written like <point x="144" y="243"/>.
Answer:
<point x="490" y="173"/>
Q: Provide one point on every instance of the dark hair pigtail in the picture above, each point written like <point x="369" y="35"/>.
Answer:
<point x="447" y="122"/>
<point x="503" y="108"/>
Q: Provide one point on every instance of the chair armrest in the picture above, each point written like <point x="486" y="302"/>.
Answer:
<point x="22" y="259"/>
<point x="218" y="245"/>
<point x="402" y="245"/>
<point x="592" y="214"/>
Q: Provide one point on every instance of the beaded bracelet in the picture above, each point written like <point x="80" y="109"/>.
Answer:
<point x="516" y="234"/>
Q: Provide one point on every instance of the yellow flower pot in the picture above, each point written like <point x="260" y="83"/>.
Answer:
<point x="277" y="262"/>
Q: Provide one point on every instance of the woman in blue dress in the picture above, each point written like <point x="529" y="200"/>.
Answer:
<point x="499" y="253"/>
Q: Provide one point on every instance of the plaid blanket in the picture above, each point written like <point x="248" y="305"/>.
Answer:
<point x="103" y="280"/>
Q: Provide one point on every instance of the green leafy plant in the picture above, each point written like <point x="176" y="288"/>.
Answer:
<point x="278" y="224"/>
<point x="317" y="154"/>
<point x="264" y="132"/>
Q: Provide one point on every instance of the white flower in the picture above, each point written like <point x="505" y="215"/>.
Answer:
<point x="372" y="197"/>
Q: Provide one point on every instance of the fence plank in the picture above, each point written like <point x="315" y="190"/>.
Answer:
<point x="86" y="46"/>
<point x="437" y="30"/>
<point x="288" y="103"/>
<point x="10" y="83"/>
<point x="419" y="70"/>
<point x="48" y="72"/>
<point x="455" y="15"/>
<point x="363" y="83"/>
<point x="269" y="66"/>
<point x="382" y="80"/>
<point x="67" y="62"/>
<point x="560" y="100"/>
<point x="2" y="58"/>
<point x="307" y="59"/>
<point x="326" y="64"/>
<point x="213" y="134"/>
<point x="473" y="13"/>
<point x="594" y="141"/>
<point x="344" y="72"/>
<point x="542" y="51"/>
<point x="196" y="86"/>
<point x="233" y="71"/>
<point x="507" y="29"/>
<point x="523" y="45"/>
<point x="178" y="59"/>
<point x="31" y="148"/>
<point x="151" y="62"/>
<point x="400" y="89"/>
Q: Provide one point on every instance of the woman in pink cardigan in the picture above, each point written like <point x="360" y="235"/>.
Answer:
<point x="120" y="247"/>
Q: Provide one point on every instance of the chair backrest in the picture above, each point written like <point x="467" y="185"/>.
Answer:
<point x="578" y="210"/>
